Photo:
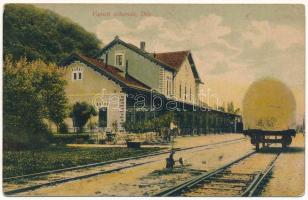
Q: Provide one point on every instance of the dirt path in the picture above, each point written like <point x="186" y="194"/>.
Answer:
<point x="288" y="177"/>
<point x="151" y="178"/>
<point x="235" y="179"/>
<point x="146" y="180"/>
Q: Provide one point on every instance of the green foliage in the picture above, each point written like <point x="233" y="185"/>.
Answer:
<point x="115" y="126"/>
<point x="222" y="108"/>
<point x="237" y="111"/>
<point x="69" y="138"/>
<point x="26" y="162"/>
<point x="156" y="124"/>
<point x="81" y="113"/>
<point x="92" y="125"/>
<point x="232" y="109"/>
<point x="37" y="33"/>
<point x="63" y="128"/>
<point x="33" y="92"/>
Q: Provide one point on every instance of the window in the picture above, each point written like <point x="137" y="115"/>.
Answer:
<point x="119" y="59"/>
<point x="180" y="90"/>
<point x="77" y="73"/>
<point x="167" y="87"/>
<point x="170" y="87"/>
<point x="185" y="93"/>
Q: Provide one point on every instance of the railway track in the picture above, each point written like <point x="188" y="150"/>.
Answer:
<point x="228" y="180"/>
<point x="19" y="184"/>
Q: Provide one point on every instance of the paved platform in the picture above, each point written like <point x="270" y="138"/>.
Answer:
<point x="180" y="141"/>
<point x="113" y="145"/>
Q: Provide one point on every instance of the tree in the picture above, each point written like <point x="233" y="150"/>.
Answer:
<point x="81" y="113"/>
<point x="35" y="33"/>
<point x="33" y="93"/>
<point x="222" y="108"/>
<point x="49" y="83"/>
<point x="232" y="109"/>
<point x="63" y="128"/>
<point x="237" y="111"/>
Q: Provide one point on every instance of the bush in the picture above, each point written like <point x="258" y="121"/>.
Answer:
<point x="156" y="124"/>
<point x="81" y="113"/>
<point x="19" y="138"/>
<point x="69" y="138"/>
<point x="63" y="128"/>
<point x="33" y="92"/>
<point x="92" y="125"/>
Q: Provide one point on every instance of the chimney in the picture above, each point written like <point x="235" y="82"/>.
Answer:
<point x="142" y="45"/>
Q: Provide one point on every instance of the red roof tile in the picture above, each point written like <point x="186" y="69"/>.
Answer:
<point x="173" y="59"/>
<point x="115" y="72"/>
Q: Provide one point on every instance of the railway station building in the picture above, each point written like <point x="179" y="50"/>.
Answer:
<point x="127" y="84"/>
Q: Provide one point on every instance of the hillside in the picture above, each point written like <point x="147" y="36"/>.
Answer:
<point x="37" y="33"/>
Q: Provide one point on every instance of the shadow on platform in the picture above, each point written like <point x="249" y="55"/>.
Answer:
<point x="269" y="150"/>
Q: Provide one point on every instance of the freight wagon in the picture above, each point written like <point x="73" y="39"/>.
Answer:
<point x="269" y="113"/>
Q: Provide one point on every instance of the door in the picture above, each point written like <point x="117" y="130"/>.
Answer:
<point x="102" y="117"/>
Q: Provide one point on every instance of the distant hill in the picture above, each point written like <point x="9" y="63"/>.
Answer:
<point x="37" y="33"/>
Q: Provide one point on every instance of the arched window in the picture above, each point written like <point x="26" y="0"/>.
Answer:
<point x="77" y="73"/>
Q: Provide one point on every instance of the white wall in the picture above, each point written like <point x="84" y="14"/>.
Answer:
<point x="186" y="78"/>
<point x="94" y="89"/>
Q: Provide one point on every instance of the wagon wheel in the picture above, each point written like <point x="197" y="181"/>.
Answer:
<point x="286" y="140"/>
<point x="257" y="141"/>
<point x="257" y="146"/>
<point x="284" y="145"/>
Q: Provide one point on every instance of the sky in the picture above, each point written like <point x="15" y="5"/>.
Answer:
<point x="232" y="45"/>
